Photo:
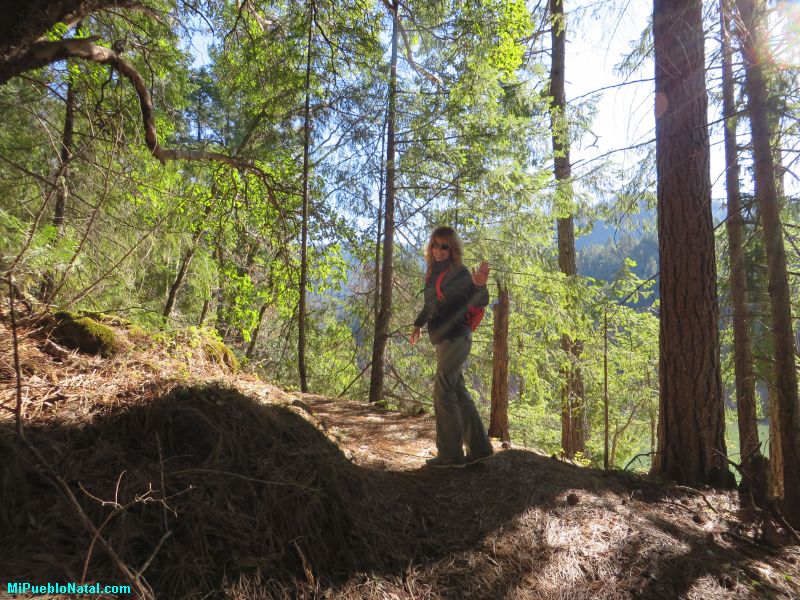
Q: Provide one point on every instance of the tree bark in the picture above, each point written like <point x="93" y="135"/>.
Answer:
<point x="754" y="43"/>
<point x="301" y="317"/>
<point x="376" y="298"/>
<point x="775" y="451"/>
<point x="573" y="417"/>
<point x="752" y="462"/>
<point x="26" y="21"/>
<point x="498" y="418"/>
<point x="691" y="428"/>
<point x="62" y="194"/>
<point x="387" y="272"/>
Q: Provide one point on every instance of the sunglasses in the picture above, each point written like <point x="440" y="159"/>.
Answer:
<point x="440" y="246"/>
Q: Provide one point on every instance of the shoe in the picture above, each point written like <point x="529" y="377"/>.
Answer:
<point x="470" y="460"/>
<point x="445" y="463"/>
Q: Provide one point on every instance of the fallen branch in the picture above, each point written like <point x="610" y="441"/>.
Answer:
<point x="54" y="350"/>
<point x="699" y="493"/>
<point x="153" y="553"/>
<point x="789" y="528"/>
<point x="356" y="378"/>
<point x="678" y="505"/>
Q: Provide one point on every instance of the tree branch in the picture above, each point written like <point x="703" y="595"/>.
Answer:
<point x="421" y="71"/>
<point x="42" y="54"/>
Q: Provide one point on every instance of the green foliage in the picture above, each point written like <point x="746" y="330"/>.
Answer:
<point x="474" y="151"/>
<point x="45" y="250"/>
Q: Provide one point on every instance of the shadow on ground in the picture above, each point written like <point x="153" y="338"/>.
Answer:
<point x="260" y="502"/>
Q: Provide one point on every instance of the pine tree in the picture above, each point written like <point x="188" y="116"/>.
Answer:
<point x="691" y="443"/>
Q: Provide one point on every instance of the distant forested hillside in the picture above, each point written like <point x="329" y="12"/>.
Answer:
<point x="602" y="252"/>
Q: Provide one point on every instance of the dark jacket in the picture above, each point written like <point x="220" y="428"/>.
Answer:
<point x="447" y="319"/>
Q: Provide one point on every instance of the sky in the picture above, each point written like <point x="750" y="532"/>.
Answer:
<point x="626" y="115"/>
<point x="595" y="45"/>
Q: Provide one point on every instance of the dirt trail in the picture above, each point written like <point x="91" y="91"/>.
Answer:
<point x="375" y="437"/>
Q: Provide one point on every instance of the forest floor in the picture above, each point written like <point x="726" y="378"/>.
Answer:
<point x="209" y="483"/>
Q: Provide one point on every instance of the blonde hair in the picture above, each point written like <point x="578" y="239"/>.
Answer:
<point x="446" y="235"/>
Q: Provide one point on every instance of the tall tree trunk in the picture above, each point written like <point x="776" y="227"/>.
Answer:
<point x="775" y="446"/>
<point x="62" y="187"/>
<point x="498" y="418"/>
<point x="204" y="312"/>
<point x="384" y="316"/>
<point x="251" y="347"/>
<point x="753" y="465"/>
<point x="754" y="46"/>
<point x="573" y="417"/>
<point x="301" y="317"/>
<point x="691" y="428"/>
<point x="181" y="275"/>
<point x="651" y="413"/>
<point x="776" y="107"/>
<point x="653" y="429"/>
<point x="376" y="298"/>
<point x="186" y="261"/>
<point x="605" y="388"/>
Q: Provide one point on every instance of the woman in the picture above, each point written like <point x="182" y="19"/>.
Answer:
<point x="449" y="292"/>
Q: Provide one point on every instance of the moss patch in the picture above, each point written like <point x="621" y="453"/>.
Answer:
<point x="219" y="353"/>
<point x="86" y="335"/>
<point x="108" y="319"/>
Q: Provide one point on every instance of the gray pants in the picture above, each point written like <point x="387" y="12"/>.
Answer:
<point x="457" y="420"/>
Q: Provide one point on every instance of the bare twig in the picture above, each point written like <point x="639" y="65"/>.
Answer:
<point x="113" y="267"/>
<point x="630" y="462"/>
<point x="356" y="378"/>
<point x="789" y="528"/>
<point x="34" y="227"/>
<point x="89" y="552"/>
<point x="95" y="212"/>
<point x="163" y="482"/>
<point x="699" y="493"/>
<point x="237" y="476"/>
<point x="153" y="554"/>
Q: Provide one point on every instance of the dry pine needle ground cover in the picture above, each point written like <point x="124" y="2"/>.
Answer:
<point x="214" y="484"/>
